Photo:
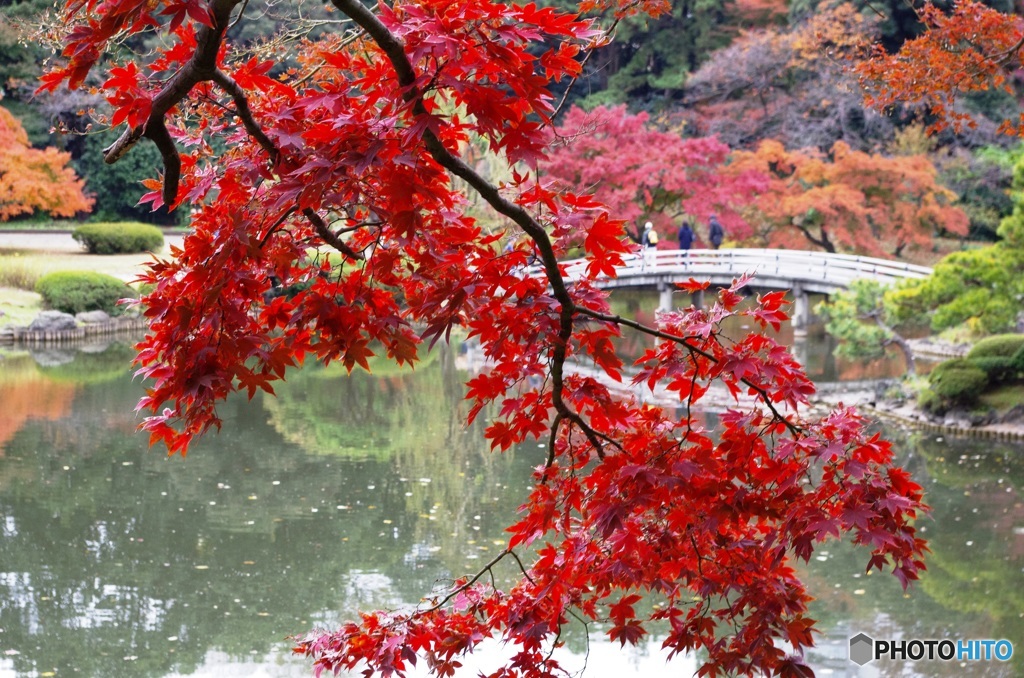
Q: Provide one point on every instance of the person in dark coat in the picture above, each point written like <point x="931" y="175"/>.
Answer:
<point x="685" y="236"/>
<point x="716" y="234"/>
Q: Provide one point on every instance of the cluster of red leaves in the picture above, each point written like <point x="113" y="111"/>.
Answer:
<point x="32" y="179"/>
<point x="327" y="225"/>
<point x="972" y="48"/>
<point x="703" y="525"/>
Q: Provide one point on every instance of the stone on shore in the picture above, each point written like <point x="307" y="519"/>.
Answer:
<point x="52" y="321"/>
<point x="92" y="317"/>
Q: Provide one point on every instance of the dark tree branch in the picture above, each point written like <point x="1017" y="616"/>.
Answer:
<point x="823" y="242"/>
<point x="202" y="66"/>
<point x="328" y="236"/>
<point x="242" y="110"/>
<point x="689" y="346"/>
<point x="394" y="50"/>
<point x="894" y="337"/>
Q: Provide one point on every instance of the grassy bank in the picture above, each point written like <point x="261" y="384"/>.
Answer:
<point x="19" y="271"/>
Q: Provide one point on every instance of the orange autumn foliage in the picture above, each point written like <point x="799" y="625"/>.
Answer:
<point x="972" y="48"/>
<point x="849" y="201"/>
<point x="35" y="179"/>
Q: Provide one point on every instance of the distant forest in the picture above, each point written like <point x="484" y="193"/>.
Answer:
<point x="743" y="71"/>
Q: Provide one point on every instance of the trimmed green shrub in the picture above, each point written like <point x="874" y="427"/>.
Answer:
<point x="1001" y="345"/>
<point x="76" y="291"/>
<point x="1018" y="360"/>
<point x="951" y="364"/>
<point x="119" y="238"/>
<point x="998" y="368"/>
<point x="960" y="385"/>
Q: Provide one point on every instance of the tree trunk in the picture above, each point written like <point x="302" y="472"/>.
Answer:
<point x="897" y="338"/>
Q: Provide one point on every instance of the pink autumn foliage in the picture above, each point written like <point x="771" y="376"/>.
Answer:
<point x="642" y="172"/>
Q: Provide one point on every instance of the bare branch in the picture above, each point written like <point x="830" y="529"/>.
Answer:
<point x="201" y="67"/>
<point x="328" y="236"/>
<point x="227" y="83"/>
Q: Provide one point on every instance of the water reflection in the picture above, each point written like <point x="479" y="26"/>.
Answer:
<point x="343" y="494"/>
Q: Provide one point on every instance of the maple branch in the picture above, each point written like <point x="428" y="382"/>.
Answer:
<point x="469" y="582"/>
<point x="242" y="110"/>
<point x="200" y="67"/>
<point x="683" y="341"/>
<point x="1004" y="58"/>
<point x="394" y="50"/>
<point x="551" y="441"/>
<point x="277" y="224"/>
<point x="328" y="235"/>
<point x="824" y="242"/>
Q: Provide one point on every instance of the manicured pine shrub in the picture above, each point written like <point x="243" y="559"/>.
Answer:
<point x="998" y="368"/>
<point x="1001" y="345"/>
<point x="119" y="238"/>
<point x="1018" y="360"/>
<point x="958" y="382"/>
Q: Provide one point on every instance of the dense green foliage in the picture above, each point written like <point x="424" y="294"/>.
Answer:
<point x="958" y="382"/>
<point x="120" y="238"/>
<point x="981" y="288"/>
<point x="117" y="188"/>
<point x="998" y="346"/>
<point x="77" y="291"/>
<point x="851" y="317"/>
<point x="983" y="179"/>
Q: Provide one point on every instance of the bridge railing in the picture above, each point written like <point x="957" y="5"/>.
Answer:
<point x="796" y="265"/>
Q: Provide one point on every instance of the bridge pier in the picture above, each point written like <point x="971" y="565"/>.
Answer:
<point x="665" y="291"/>
<point x="801" y="316"/>
<point x="664" y="297"/>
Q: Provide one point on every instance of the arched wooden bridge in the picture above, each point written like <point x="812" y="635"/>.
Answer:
<point x="800" y="271"/>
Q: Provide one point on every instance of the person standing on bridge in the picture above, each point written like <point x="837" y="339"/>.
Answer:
<point x="685" y="236"/>
<point x="716" y="234"/>
<point x="648" y="242"/>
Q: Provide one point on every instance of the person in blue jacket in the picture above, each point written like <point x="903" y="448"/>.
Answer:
<point x="685" y="236"/>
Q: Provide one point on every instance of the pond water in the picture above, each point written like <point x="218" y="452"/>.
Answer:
<point x="348" y="493"/>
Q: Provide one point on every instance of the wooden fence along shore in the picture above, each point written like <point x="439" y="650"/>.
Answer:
<point x="114" y="326"/>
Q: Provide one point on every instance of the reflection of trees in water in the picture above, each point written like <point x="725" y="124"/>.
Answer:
<point x="451" y="485"/>
<point x="110" y="550"/>
<point x="25" y="394"/>
<point x="977" y="563"/>
<point x="327" y="411"/>
<point x="973" y="588"/>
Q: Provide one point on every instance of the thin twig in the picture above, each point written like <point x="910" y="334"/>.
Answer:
<point x="683" y="341"/>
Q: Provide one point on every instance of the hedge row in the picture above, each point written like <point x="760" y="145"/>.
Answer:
<point x="119" y="238"/>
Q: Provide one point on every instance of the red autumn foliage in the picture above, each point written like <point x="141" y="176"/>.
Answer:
<point x="642" y="173"/>
<point x="32" y="179"/>
<point x="851" y="202"/>
<point x="337" y="181"/>
<point x="971" y="48"/>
